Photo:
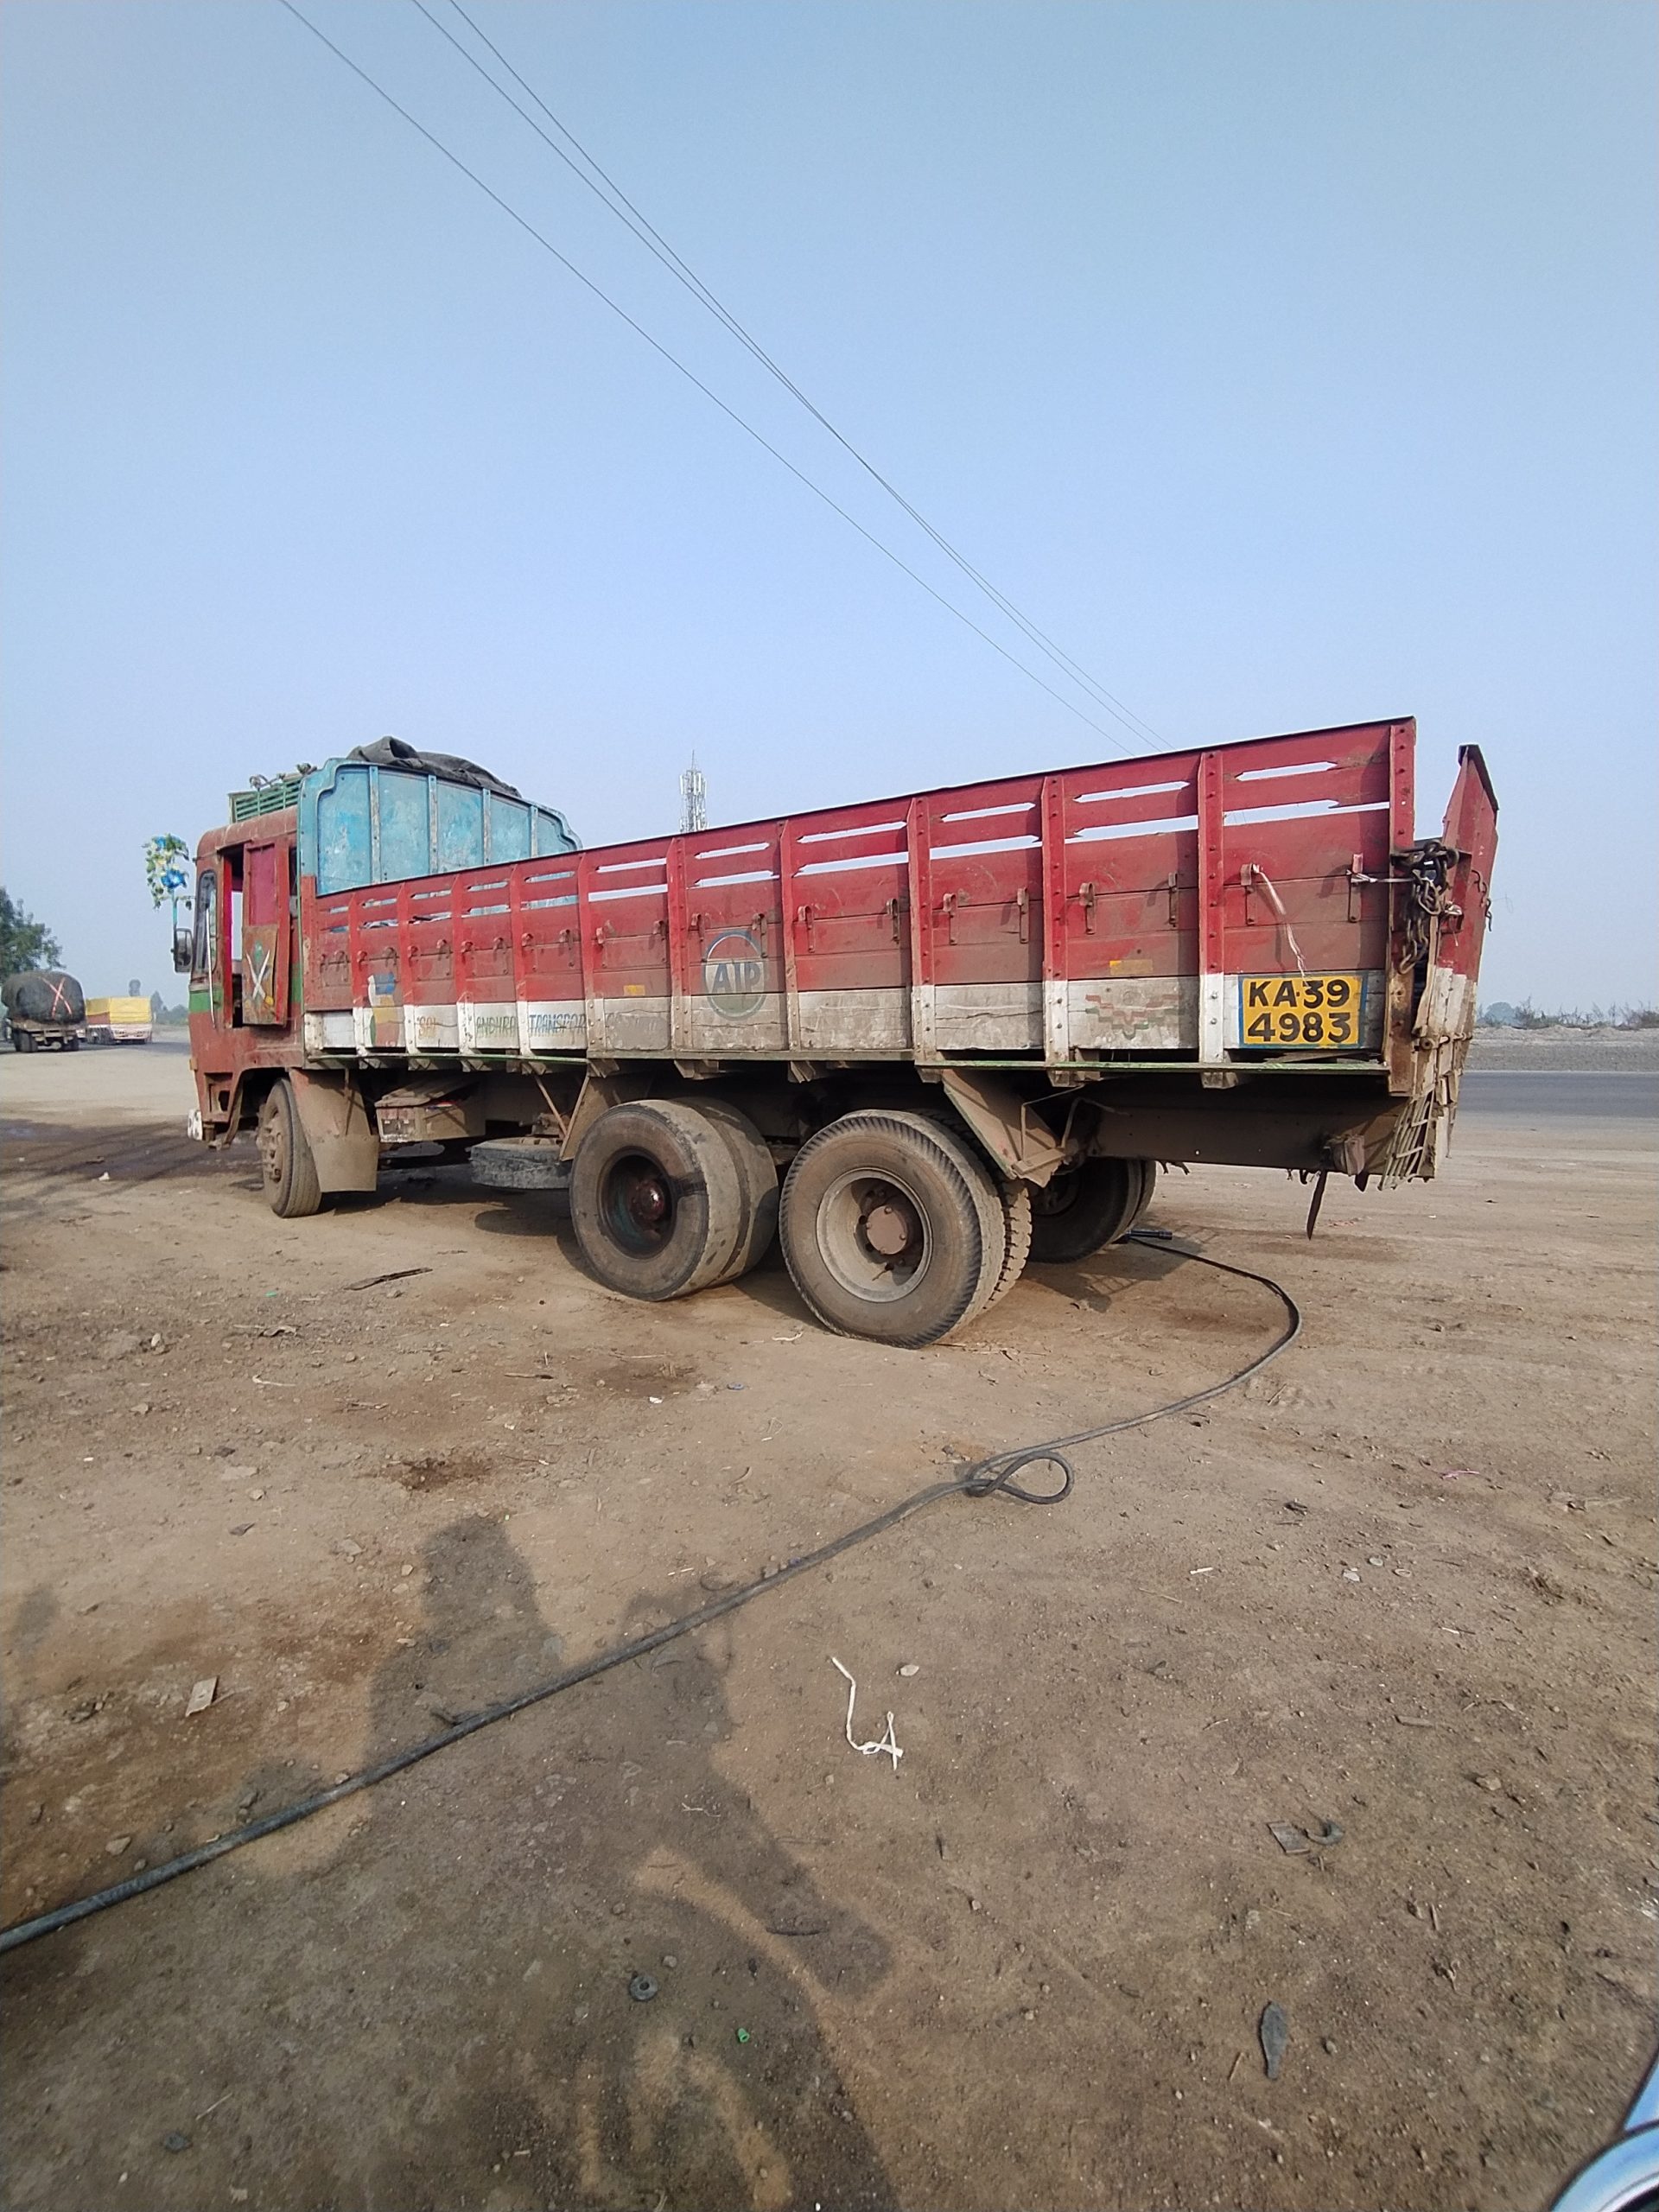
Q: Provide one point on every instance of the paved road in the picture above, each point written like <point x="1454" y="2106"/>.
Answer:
<point x="155" y="1079"/>
<point x="152" y="1080"/>
<point x="1578" y="1097"/>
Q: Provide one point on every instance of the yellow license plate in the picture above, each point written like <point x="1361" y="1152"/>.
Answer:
<point x="1298" y="1012"/>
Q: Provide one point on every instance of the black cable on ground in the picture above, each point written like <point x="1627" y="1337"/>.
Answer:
<point x="986" y="1478"/>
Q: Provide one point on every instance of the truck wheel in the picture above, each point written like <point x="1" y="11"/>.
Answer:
<point x="656" y="1199"/>
<point x="72" y="1043"/>
<point x="892" y="1229"/>
<point x="1017" y="1220"/>
<point x="757" y="1176"/>
<point x="23" y="1040"/>
<point x="286" y="1161"/>
<point x="1086" y="1207"/>
<point x="1149" y="1170"/>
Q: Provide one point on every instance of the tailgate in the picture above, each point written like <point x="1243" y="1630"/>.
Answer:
<point x="1443" y="895"/>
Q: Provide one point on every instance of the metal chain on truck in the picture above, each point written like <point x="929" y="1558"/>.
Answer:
<point x="991" y="1476"/>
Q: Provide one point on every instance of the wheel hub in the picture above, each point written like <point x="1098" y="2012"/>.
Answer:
<point x="873" y="1236"/>
<point x="648" y="1202"/>
<point x="271" y="1147"/>
<point x="638" y="1200"/>
<point x="887" y="1229"/>
<point x="1058" y="1194"/>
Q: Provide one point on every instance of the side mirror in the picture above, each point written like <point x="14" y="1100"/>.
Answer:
<point x="183" y="950"/>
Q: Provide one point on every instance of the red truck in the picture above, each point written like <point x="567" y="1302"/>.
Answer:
<point x="919" y="1039"/>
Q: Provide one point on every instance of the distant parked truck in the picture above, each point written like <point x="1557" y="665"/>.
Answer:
<point x="45" y="1009"/>
<point x="119" y="1021"/>
<point x="963" y="1026"/>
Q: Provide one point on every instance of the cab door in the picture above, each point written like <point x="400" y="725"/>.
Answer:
<point x="207" y="976"/>
<point x="266" y="935"/>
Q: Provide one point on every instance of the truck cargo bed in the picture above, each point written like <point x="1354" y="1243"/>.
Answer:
<point x="1239" y="906"/>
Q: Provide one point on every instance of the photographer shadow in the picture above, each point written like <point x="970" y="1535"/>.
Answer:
<point x="617" y="1968"/>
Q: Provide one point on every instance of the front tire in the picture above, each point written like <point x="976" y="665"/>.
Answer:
<point x="287" y="1164"/>
<point x="1084" y="1208"/>
<point x="892" y="1229"/>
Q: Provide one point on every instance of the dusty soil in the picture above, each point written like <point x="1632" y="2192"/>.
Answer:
<point x="1604" y="1051"/>
<point x="1403" y="1582"/>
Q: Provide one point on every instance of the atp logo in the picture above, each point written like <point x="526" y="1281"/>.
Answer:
<point x="734" y="975"/>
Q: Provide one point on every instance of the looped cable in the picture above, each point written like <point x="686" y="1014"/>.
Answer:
<point x="996" y="1474"/>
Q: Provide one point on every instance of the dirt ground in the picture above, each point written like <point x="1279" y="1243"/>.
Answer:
<point x="1402" y="1582"/>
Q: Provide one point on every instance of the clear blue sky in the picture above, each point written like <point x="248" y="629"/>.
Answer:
<point x="1290" y="364"/>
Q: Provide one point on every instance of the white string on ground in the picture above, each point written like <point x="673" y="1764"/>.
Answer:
<point x="887" y="1745"/>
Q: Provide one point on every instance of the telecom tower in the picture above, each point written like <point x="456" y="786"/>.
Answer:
<point x="694" y="798"/>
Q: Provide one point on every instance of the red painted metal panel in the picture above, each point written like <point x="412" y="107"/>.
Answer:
<point x="325" y="929"/>
<point x="484" y="927"/>
<point x="547" y="931"/>
<point x="984" y="873"/>
<point x="1051" y="806"/>
<point x="622" y="893"/>
<point x="1212" y="867"/>
<point x="924" y="923"/>
<point x="1155" y="867"/>
<point x="377" y="952"/>
<point x="1129" y="843"/>
<point x="792" y="927"/>
<point x="1306" y="818"/>
<point x="679" y="928"/>
<point x="429" y="975"/>
<point x="1470" y="827"/>
<point x="265" y="958"/>
<point x="1402" y="788"/>
<point x="734" y="902"/>
<point x="851" y="879"/>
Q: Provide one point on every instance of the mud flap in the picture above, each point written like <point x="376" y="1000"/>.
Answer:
<point x="338" y="1129"/>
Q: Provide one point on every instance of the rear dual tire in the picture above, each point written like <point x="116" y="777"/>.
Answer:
<point x="1084" y="1208"/>
<point x="894" y="1229"/>
<point x="668" y="1197"/>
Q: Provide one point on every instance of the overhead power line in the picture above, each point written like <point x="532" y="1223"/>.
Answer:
<point x="611" y="196"/>
<point x="713" y="397"/>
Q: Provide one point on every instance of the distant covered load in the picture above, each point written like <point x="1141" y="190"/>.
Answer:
<point x="44" y="1007"/>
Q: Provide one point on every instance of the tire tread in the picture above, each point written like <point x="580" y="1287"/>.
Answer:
<point x="980" y="1215"/>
